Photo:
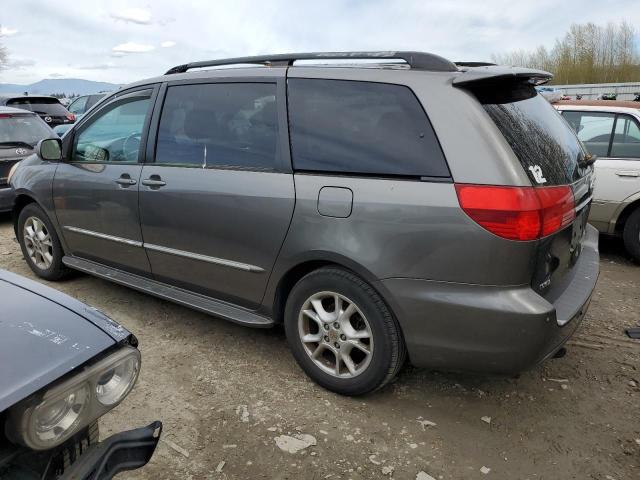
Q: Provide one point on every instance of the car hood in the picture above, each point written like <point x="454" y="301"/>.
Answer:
<point x="45" y="334"/>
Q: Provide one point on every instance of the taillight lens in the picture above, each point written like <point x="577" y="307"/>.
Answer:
<point x="518" y="213"/>
<point x="71" y="117"/>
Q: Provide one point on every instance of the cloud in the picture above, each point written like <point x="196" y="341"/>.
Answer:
<point x="99" y="66"/>
<point x="7" y="32"/>
<point x="168" y="44"/>
<point x="20" y="63"/>
<point x="133" y="15"/>
<point x="132" y="47"/>
<point x="56" y="75"/>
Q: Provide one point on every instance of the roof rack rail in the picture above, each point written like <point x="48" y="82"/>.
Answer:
<point x="416" y="60"/>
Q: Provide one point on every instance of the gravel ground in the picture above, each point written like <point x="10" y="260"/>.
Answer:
<point x="231" y="397"/>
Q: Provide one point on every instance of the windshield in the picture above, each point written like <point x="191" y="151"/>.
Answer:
<point x="40" y="105"/>
<point x="542" y="140"/>
<point x="23" y="129"/>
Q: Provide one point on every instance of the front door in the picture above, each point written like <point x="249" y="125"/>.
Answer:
<point x="95" y="190"/>
<point x="216" y="202"/>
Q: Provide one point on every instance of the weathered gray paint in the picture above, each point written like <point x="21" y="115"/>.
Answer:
<point x="239" y="216"/>
<point x="439" y="271"/>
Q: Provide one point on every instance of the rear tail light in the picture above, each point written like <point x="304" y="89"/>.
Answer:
<point x="5" y="115"/>
<point x="518" y="213"/>
<point x="71" y="117"/>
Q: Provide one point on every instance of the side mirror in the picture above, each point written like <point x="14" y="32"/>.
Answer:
<point x="49" y="149"/>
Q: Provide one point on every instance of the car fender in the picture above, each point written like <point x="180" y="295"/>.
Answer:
<point x="34" y="179"/>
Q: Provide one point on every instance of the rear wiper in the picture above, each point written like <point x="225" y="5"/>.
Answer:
<point x="16" y="144"/>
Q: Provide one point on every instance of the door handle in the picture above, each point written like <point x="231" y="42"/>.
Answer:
<point x="628" y="174"/>
<point x="125" y="180"/>
<point x="154" y="181"/>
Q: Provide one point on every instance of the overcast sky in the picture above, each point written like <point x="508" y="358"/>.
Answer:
<point x="122" y="41"/>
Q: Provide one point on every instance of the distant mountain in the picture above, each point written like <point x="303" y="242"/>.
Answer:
<point x="60" y="85"/>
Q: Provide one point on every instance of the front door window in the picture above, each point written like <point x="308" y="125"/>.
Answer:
<point x="114" y="135"/>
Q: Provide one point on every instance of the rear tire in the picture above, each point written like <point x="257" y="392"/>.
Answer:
<point x="353" y="352"/>
<point x="40" y="244"/>
<point x="631" y="235"/>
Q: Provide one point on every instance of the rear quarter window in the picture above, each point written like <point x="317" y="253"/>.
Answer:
<point x="361" y="128"/>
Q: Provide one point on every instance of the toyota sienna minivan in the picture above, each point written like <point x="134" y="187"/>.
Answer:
<point x="403" y="205"/>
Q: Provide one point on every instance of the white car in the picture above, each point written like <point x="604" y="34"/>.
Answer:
<point x="611" y="131"/>
<point x="552" y="94"/>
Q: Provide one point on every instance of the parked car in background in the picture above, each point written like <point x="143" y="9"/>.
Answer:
<point x="79" y="107"/>
<point x="20" y="131"/>
<point x="611" y="130"/>
<point x="338" y="201"/>
<point x="550" y="93"/>
<point x="81" y="104"/>
<point x="48" y="108"/>
<point x="63" y="365"/>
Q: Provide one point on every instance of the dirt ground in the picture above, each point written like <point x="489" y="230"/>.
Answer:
<point x="225" y="393"/>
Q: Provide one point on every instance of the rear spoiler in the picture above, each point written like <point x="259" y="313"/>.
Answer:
<point x="492" y="74"/>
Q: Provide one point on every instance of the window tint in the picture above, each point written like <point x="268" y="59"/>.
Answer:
<point x="626" y="139"/>
<point x="361" y="127"/>
<point x="593" y="128"/>
<point x="546" y="147"/>
<point x="114" y="135"/>
<point x="219" y="125"/>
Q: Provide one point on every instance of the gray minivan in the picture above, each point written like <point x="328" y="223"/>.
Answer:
<point x="407" y="205"/>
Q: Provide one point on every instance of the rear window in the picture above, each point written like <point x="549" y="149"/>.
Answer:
<point x="24" y="128"/>
<point x="39" y="105"/>
<point x="544" y="143"/>
<point x="361" y="128"/>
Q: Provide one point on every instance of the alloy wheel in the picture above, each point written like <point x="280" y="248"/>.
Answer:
<point x="335" y="334"/>
<point x="38" y="243"/>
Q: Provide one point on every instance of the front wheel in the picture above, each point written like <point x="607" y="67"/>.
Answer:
<point x="341" y="332"/>
<point x="631" y="235"/>
<point x="40" y="244"/>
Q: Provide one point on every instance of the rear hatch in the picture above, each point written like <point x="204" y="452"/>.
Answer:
<point x="48" y="108"/>
<point x="19" y="133"/>
<point x="555" y="161"/>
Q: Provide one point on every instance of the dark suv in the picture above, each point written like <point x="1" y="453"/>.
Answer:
<point x="409" y="206"/>
<point x="48" y="108"/>
<point x="20" y="131"/>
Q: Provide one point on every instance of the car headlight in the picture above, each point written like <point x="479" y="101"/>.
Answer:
<point x="114" y="384"/>
<point x="49" y="418"/>
<point x="12" y="170"/>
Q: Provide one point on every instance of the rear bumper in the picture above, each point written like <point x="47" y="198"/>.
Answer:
<point x="491" y="329"/>
<point x="7" y="195"/>
<point x="122" y="451"/>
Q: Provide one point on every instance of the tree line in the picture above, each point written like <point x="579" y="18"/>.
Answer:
<point x="588" y="53"/>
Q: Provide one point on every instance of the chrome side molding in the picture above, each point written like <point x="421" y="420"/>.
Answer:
<point x="171" y="251"/>
<point x="104" y="236"/>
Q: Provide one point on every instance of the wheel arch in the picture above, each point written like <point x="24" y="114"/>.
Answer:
<point x="19" y="203"/>
<point x="625" y="214"/>
<point x="287" y="276"/>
